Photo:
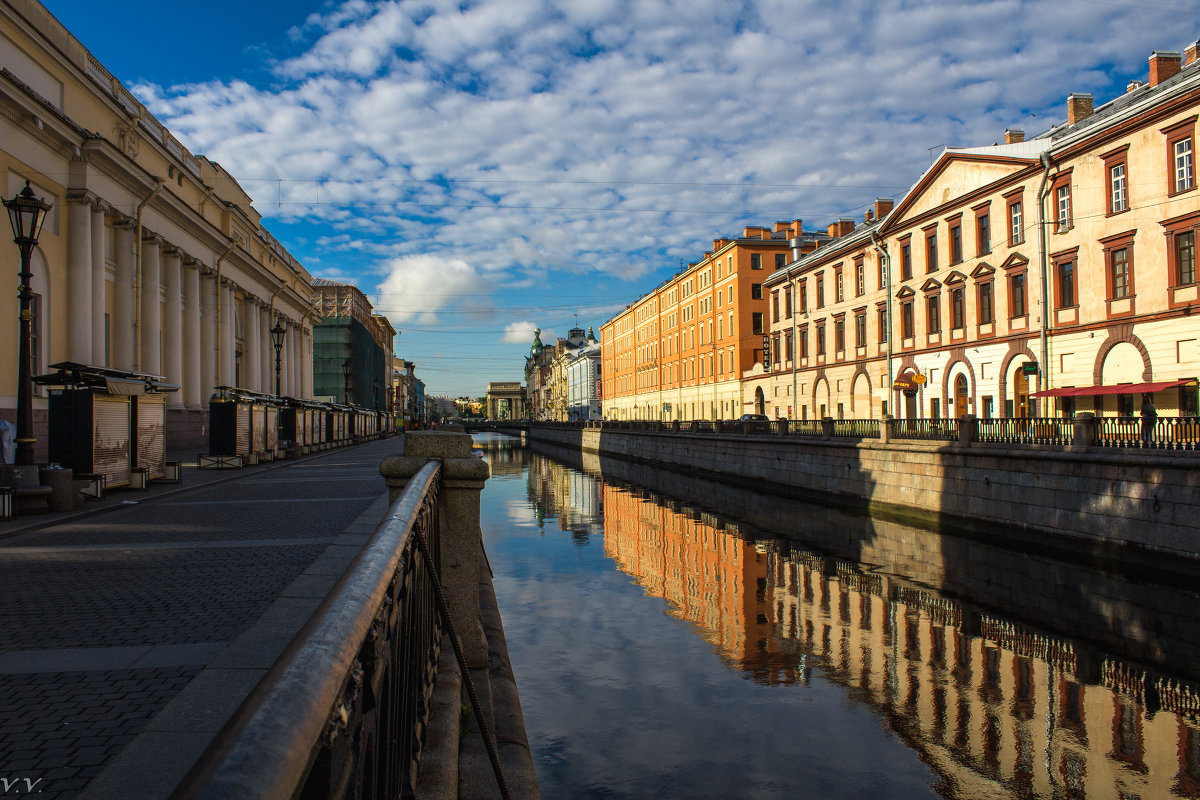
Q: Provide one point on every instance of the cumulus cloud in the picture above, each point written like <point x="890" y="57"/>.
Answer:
<point x="418" y="287"/>
<point x="522" y="333"/>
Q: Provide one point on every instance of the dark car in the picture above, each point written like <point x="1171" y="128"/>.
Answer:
<point x="753" y="418"/>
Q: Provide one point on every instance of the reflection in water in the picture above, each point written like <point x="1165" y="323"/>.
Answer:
<point x="933" y="634"/>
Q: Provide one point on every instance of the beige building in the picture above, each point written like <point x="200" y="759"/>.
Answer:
<point x="152" y="259"/>
<point x="1040" y="277"/>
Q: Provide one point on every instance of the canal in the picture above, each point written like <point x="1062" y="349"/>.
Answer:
<point x="674" y="638"/>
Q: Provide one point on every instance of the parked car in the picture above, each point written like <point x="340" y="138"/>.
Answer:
<point x="753" y="418"/>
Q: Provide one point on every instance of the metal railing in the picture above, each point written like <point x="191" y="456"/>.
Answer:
<point x="935" y="430"/>
<point x="1027" y="430"/>
<point x="856" y="428"/>
<point x="1166" y="433"/>
<point x="805" y="427"/>
<point x="344" y="710"/>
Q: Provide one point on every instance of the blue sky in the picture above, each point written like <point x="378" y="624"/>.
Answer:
<point x="482" y="168"/>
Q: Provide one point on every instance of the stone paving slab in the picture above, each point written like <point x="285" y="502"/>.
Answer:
<point x="135" y="625"/>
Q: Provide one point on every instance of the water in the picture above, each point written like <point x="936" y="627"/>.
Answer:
<point x="781" y="650"/>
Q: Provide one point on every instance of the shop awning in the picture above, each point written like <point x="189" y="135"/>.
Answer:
<point x="1118" y="388"/>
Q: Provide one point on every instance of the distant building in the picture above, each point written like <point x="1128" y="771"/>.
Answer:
<point x="352" y="347"/>
<point x="583" y="381"/>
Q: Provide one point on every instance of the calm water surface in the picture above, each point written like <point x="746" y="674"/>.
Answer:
<point x="673" y="638"/>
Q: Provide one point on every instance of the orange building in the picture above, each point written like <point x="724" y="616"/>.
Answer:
<point x="680" y="351"/>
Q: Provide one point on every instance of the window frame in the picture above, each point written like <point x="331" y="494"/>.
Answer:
<point x="860" y="276"/>
<point x="1065" y="264"/>
<point x="1184" y="129"/>
<point x="931" y="248"/>
<point x="756" y="261"/>
<point x="907" y="319"/>
<point x="1013" y="277"/>
<point x="980" y="317"/>
<point x="983" y="229"/>
<point x="906" y="265"/>
<point x="820" y="289"/>
<point x="860" y="327"/>
<point x="1015" y="216"/>
<point x="1113" y="245"/>
<point x="1060" y="190"/>
<point x="1172" y="230"/>
<point x="839" y="287"/>
<point x="954" y="232"/>
<point x="933" y="314"/>
<point x="958" y="307"/>
<point x="1114" y="159"/>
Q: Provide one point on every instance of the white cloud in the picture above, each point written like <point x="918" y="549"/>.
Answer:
<point x="418" y="287"/>
<point x="519" y="332"/>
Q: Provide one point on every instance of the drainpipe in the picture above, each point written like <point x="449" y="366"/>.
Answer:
<point x="887" y="280"/>
<point x="137" y="283"/>
<point x="1045" y="322"/>
<point x="228" y="250"/>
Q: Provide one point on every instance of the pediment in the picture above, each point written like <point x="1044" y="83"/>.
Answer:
<point x="954" y="175"/>
<point x="955" y="277"/>
<point x="931" y="285"/>
<point x="983" y="270"/>
<point x="1014" y="261"/>
<point x="905" y="291"/>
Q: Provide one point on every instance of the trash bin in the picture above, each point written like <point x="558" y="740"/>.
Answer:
<point x="62" y="487"/>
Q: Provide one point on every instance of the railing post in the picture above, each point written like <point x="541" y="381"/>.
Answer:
<point x="968" y="430"/>
<point x="885" y="429"/>
<point x="463" y="476"/>
<point x="781" y="427"/>
<point x="1083" y="433"/>
<point x="827" y="428"/>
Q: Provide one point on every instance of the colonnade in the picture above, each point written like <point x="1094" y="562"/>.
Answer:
<point x="188" y="322"/>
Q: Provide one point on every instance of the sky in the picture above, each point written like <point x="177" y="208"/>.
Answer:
<point x="481" y="168"/>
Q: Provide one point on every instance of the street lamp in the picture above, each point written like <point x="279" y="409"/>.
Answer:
<point x="346" y="367"/>
<point x="26" y="212"/>
<point x="277" y="334"/>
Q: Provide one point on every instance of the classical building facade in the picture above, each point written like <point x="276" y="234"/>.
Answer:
<point x="152" y="259"/>
<point x="1048" y="276"/>
<point x="681" y="350"/>
<point x="583" y="381"/>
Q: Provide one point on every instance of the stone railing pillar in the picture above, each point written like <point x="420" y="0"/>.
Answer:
<point x="827" y="428"/>
<point x="675" y="425"/>
<point x="1084" y="431"/>
<point x="463" y="476"/>
<point x="968" y="430"/>
<point x="885" y="429"/>
<point x="781" y="427"/>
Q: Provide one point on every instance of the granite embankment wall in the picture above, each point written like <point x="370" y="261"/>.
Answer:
<point x="1133" y="502"/>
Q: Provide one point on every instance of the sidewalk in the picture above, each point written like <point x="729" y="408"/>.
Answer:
<point x="133" y="626"/>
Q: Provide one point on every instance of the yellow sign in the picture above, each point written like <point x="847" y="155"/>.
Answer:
<point x="918" y="379"/>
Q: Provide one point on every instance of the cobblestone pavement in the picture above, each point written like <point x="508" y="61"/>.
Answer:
<point x="108" y="615"/>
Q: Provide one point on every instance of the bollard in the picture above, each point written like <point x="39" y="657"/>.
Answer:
<point x="1083" y="431"/>
<point x="968" y="430"/>
<point x="827" y="428"/>
<point x="463" y="476"/>
<point x="885" y="429"/>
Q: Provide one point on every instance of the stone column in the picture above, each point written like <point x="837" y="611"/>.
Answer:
<point x="193" y="350"/>
<point x="968" y="430"/>
<point x="306" y="362"/>
<point x="293" y="359"/>
<point x="122" y="329"/>
<point x="461" y="543"/>
<point x="151" y="305"/>
<point x="254" y="346"/>
<point x="99" y="285"/>
<point x="1083" y="431"/>
<point x="79" y="280"/>
<point x="172" y="326"/>
<point x="228" y="353"/>
<point x="208" y="336"/>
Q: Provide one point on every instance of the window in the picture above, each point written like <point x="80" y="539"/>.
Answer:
<point x="1117" y="199"/>
<point x="839" y="334"/>
<point x="860" y="278"/>
<point x="775" y="307"/>
<point x="804" y="343"/>
<point x="780" y="260"/>
<point x="983" y="232"/>
<point x="956" y="250"/>
<point x="820" y="291"/>
<point x="802" y="288"/>
<point x="905" y="260"/>
<point x="756" y="322"/>
<point x="860" y="329"/>
<point x="1064" y="273"/>
<point x="820" y="339"/>
<point x="931" y="255"/>
<point x="775" y="349"/>
<point x="838" y="294"/>
<point x="883" y="324"/>
<point x="787" y="345"/>
<point x="906" y="319"/>
<point x="1016" y="226"/>
<point x="1185" y="258"/>
<point x="932" y="318"/>
<point x="1118" y="267"/>
<point x="1062" y="203"/>
<point x="958" y="317"/>
<point x="984" y="294"/>
<point x="787" y="302"/>
<point x="756" y="261"/>
<point x="1181" y="156"/>
<point x="1016" y="295"/>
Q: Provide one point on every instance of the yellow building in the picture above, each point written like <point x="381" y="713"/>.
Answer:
<point x="680" y="351"/>
<point x="151" y="259"/>
<point x="1059" y="269"/>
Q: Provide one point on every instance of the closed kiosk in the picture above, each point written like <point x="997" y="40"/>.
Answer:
<point x="150" y="434"/>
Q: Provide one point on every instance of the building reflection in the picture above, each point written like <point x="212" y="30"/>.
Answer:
<point x="997" y="707"/>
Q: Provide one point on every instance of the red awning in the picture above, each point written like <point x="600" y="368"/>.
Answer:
<point x="1120" y="388"/>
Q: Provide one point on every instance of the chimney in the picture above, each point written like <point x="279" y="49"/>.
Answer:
<point x="1190" y="54"/>
<point x="1164" y="64"/>
<point x="870" y="215"/>
<point x="1013" y="135"/>
<point x="1133" y="86"/>
<point x="832" y="230"/>
<point x="845" y="226"/>
<point x="1079" y="106"/>
<point x="883" y="207"/>
<point x="781" y="227"/>
<point x="797" y="228"/>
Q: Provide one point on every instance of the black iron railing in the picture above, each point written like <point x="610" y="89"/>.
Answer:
<point x="936" y="430"/>
<point x="343" y="713"/>
<point x="856" y="428"/>
<point x="805" y="427"/>
<point x="1027" y="430"/>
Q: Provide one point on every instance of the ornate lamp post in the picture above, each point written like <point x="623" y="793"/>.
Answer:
<point x="277" y="334"/>
<point x="26" y="212"/>
<point x="347" y="365"/>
